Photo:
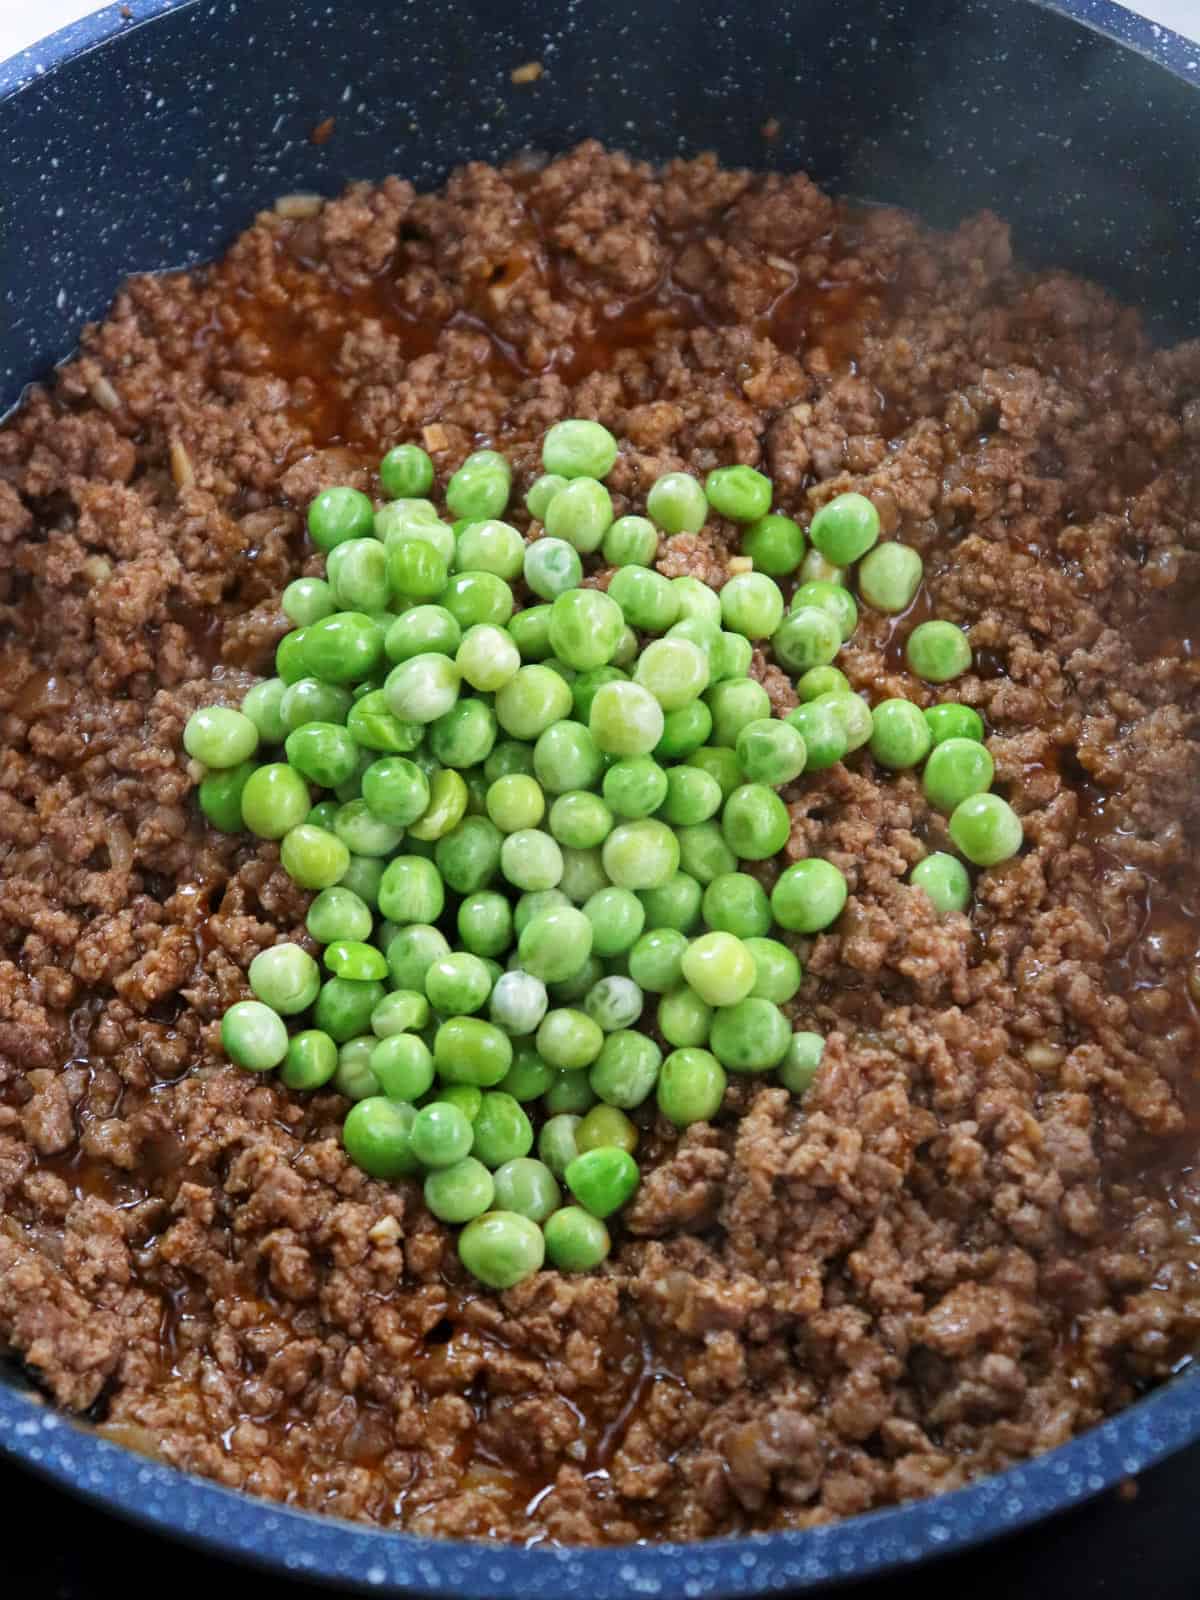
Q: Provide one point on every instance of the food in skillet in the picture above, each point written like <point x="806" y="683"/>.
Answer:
<point x="918" y="1207"/>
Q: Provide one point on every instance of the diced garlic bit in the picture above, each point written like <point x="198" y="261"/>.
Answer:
<point x="182" y="470"/>
<point x="298" y="206"/>
<point x="1044" y="1057"/>
<point x="530" y="72"/>
<point x="740" y="564"/>
<point x="434" y="437"/>
<point x="103" y="393"/>
<point x="385" y="1231"/>
<point x="96" y="569"/>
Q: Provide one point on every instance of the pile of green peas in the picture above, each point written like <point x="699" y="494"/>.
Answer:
<point x="523" y="808"/>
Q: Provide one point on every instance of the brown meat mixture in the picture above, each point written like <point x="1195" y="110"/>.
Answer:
<point x="975" y="1236"/>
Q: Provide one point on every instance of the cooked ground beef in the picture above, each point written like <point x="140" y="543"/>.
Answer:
<point x="975" y="1236"/>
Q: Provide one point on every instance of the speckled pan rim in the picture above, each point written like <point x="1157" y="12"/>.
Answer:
<point x="322" y="1549"/>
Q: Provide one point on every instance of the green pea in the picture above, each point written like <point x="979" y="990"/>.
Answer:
<point x="626" y="1070"/>
<point x="801" y="1063"/>
<point x="775" y="544"/>
<point x="617" y="918"/>
<point x="403" y="1066"/>
<point x="606" y="1127"/>
<point x="531" y="701"/>
<point x="457" y="984"/>
<point x="555" y="944"/>
<point x="674" y="670"/>
<point x="311" y="1062"/>
<point x="263" y="704"/>
<point x="481" y="486"/>
<point x="770" y="751"/>
<point x="490" y="546"/>
<point x="568" y="1039"/>
<point x="806" y="638"/>
<point x="900" y="736"/>
<point x="338" y="913"/>
<point x="540" y="493"/>
<point x="635" y="786"/>
<point x="220" y="737"/>
<point x="502" y="1131"/>
<point x="824" y="732"/>
<point x="343" y="648"/>
<point x="655" y="961"/>
<point x="755" y="822"/>
<point x="691" y="1086"/>
<point x="552" y="567"/>
<point x="581" y="513"/>
<point x="733" y="704"/>
<point x="752" y="605"/>
<point x="253" y="1036"/>
<point x="569" y="1093"/>
<point x="460" y="1192"/>
<point x="485" y="923"/>
<point x="579" y="448"/>
<point x="677" y="503"/>
<point x="603" y="1180"/>
<point x="377" y="1136"/>
<point x="890" y="576"/>
<point x="720" y="762"/>
<point x="778" y="973"/>
<point x="425" y="630"/>
<point x="845" y="528"/>
<point x="286" y="978"/>
<point x="401" y="1011"/>
<point x="631" y="541"/>
<point x="684" y="732"/>
<point x="938" y="651"/>
<point x="673" y="904"/>
<point x="953" y="721"/>
<point x="580" y="821"/>
<point x="751" y="1036"/>
<point x="576" y="1241"/>
<point x="220" y="796"/>
<point x="501" y="1248"/>
<point x="736" y="903"/>
<point x="585" y="627"/>
<point x="641" y="855"/>
<point x="945" y="880"/>
<point x="527" y="1187"/>
<point x="358" y="575"/>
<point x="405" y="472"/>
<point x="954" y="770"/>
<point x="411" y="952"/>
<point x="529" y="1077"/>
<point x="986" y="830"/>
<point x="556" y="1142"/>
<point x="818" y="682"/>
<point x="704" y="853"/>
<point x="647" y="600"/>
<point x="615" y="1002"/>
<point x="808" y="896"/>
<point x="373" y="727"/>
<point x="466" y="1050"/>
<point x="828" y="595"/>
<point x="343" y="1008"/>
<point x="274" y="800"/>
<point x="306" y="600"/>
<point x="683" y="1017"/>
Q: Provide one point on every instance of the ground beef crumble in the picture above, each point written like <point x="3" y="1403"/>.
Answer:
<point x="975" y="1235"/>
